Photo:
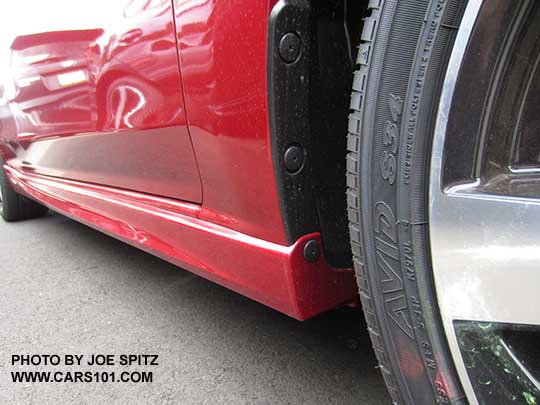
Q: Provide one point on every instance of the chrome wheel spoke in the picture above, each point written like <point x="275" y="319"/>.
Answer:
<point x="488" y="258"/>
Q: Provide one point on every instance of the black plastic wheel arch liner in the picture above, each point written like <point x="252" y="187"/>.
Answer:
<point x="308" y="107"/>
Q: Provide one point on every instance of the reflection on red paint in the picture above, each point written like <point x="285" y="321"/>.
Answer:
<point x="94" y="125"/>
<point x="275" y="275"/>
<point x="110" y="76"/>
<point x="223" y="48"/>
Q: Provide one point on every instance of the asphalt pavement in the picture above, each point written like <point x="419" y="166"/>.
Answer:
<point x="68" y="289"/>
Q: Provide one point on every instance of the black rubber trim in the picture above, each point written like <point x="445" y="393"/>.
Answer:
<point x="289" y="96"/>
<point x="308" y="104"/>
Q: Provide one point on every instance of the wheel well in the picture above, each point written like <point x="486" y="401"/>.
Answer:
<point x="309" y="105"/>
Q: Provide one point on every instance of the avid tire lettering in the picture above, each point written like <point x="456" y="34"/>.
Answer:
<point x="387" y="256"/>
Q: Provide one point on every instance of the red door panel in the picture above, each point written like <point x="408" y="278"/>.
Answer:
<point x="93" y="93"/>
<point x="223" y="47"/>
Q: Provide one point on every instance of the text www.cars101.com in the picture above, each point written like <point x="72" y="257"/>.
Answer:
<point x="81" y="376"/>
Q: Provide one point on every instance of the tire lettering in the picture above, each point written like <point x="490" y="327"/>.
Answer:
<point x="387" y="257"/>
<point x="391" y="140"/>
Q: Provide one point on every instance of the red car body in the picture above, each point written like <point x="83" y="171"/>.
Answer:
<point x="152" y="125"/>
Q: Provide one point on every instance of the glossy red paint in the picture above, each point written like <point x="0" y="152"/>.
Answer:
<point x="275" y="275"/>
<point x="93" y="124"/>
<point x="223" y="52"/>
<point x="95" y="94"/>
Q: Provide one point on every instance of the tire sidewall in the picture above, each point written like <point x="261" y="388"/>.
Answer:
<point x="394" y="153"/>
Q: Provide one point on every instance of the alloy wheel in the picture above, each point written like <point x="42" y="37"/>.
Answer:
<point x="485" y="202"/>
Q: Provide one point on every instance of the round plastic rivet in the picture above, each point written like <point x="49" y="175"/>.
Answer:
<point x="294" y="158"/>
<point x="312" y="251"/>
<point x="290" y="47"/>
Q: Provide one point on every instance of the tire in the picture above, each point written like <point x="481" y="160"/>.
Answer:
<point x="16" y="207"/>
<point x="403" y="53"/>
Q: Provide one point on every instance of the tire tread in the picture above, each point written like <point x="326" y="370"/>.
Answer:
<point x="353" y="193"/>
